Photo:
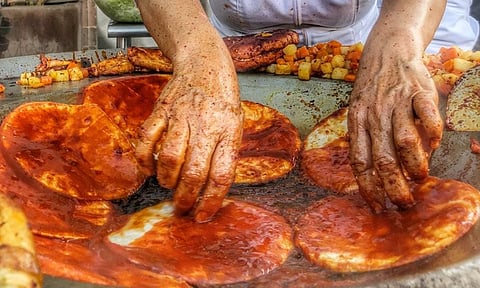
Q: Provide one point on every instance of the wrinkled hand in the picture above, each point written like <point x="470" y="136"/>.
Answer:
<point x="192" y="138"/>
<point x="394" y="123"/>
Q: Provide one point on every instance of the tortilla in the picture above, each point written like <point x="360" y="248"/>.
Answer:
<point x="342" y="234"/>
<point x="92" y="263"/>
<point x="241" y="242"/>
<point x="325" y="155"/>
<point x="270" y="143"/>
<point x="74" y="150"/>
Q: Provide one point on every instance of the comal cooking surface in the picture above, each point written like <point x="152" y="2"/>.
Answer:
<point x="305" y="103"/>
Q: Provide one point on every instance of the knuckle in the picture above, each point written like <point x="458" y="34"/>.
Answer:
<point x="359" y="168"/>
<point x="169" y="160"/>
<point x="222" y="180"/>
<point x="194" y="177"/>
<point x="407" y="140"/>
<point x="385" y="165"/>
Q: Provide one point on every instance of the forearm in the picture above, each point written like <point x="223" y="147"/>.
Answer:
<point x="199" y="55"/>
<point x="181" y="28"/>
<point x="410" y="22"/>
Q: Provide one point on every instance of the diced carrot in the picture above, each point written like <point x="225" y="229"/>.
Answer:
<point x="448" y="65"/>
<point x="46" y="80"/>
<point x="448" y="53"/>
<point x="281" y="61"/>
<point x="321" y="46"/>
<point x="289" y="58"/>
<point x="85" y="72"/>
<point x="302" y="52"/>
<point x="2" y="88"/>
<point x="336" y="50"/>
<point x="313" y="50"/>
<point x="354" y="65"/>
<point x="72" y="64"/>
<point x="349" y="77"/>
<point x="334" y="44"/>
<point x="294" y="66"/>
<point x="321" y="53"/>
<point x="353" y="56"/>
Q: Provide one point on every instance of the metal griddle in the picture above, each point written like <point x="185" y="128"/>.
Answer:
<point x="305" y="103"/>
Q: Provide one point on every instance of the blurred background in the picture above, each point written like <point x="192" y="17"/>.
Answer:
<point x="30" y="27"/>
<point x="475" y="12"/>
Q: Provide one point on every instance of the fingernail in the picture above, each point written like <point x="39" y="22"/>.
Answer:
<point x="202" y="216"/>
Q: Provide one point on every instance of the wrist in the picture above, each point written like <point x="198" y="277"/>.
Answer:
<point x="404" y="41"/>
<point x="201" y="54"/>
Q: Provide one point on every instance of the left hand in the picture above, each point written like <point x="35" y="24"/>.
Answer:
<point x="394" y="121"/>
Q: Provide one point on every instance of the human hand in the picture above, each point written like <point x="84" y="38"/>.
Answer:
<point x="195" y="134"/>
<point x="394" y="122"/>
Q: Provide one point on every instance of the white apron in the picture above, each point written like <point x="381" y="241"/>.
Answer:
<point x="348" y="21"/>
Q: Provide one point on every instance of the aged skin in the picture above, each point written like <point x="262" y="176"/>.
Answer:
<point x="198" y="116"/>
<point x="393" y="92"/>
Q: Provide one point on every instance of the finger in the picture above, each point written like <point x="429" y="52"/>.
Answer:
<point x="171" y="154"/>
<point x="221" y="177"/>
<point x="194" y="173"/>
<point x="408" y="143"/>
<point x="361" y="162"/>
<point x="386" y="163"/>
<point x="426" y="109"/>
<point x="150" y="133"/>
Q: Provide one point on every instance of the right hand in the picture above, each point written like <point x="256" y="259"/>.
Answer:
<point x="195" y="134"/>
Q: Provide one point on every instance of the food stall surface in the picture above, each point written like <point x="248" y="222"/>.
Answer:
<point x="305" y="103"/>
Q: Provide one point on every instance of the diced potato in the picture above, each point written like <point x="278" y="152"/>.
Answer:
<point x="271" y="68"/>
<point x="326" y="68"/>
<point x="75" y="73"/>
<point x="283" y="69"/>
<point x="338" y="61"/>
<point x="290" y="49"/>
<point x="437" y="78"/>
<point x="339" y="73"/>
<point x="59" y="75"/>
<point x="462" y="65"/>
<point x="24" y="78"/>
<point x="449" y="78"/>
<point x="316" y="63"/>
<point x="304" y="70"/>
<point x="357" y="47"/>
<point x="475" y="56"/>
<point x="344" y="50"/>
<point x="347" y="64"/>
<point x="34" y="81"/>
<point x="465" y="54"/>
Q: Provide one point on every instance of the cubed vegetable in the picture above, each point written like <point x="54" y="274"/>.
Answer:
<point x="283" y="69"/>
<point x="304" y="70"/>
<point x="290" y="49"/>
<point x="339" y="73"/>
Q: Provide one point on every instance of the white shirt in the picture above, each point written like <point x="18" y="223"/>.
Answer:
<point x="348" y="21"/>
<point x="456" y="28"/>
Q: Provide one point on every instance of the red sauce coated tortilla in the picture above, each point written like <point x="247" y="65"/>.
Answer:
<point x="242" y="242"/>
<point x="342" y="234"/>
